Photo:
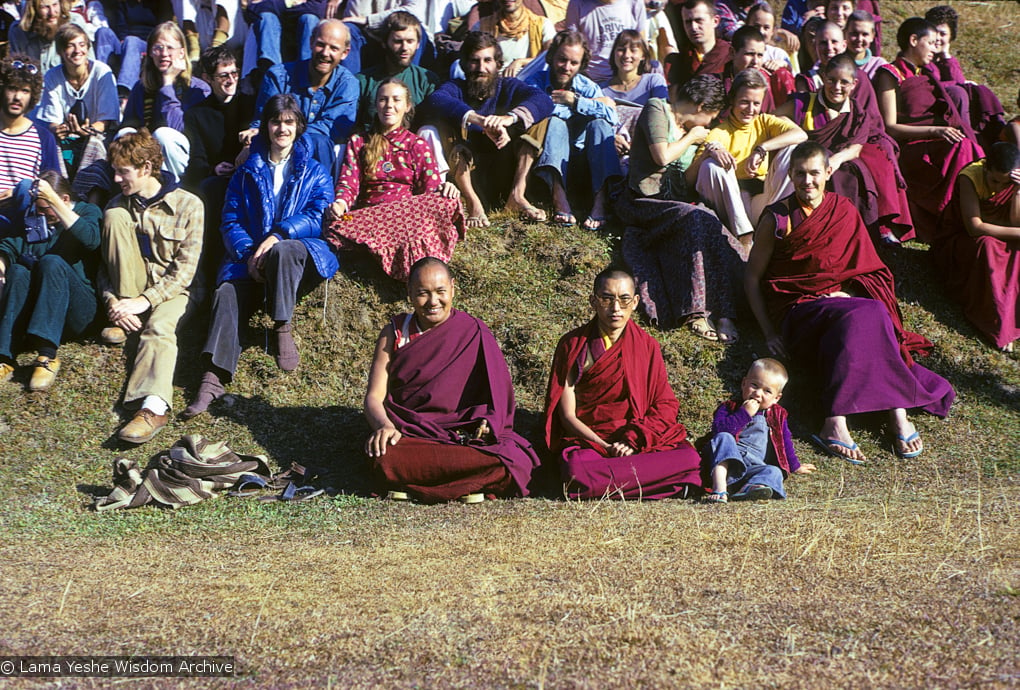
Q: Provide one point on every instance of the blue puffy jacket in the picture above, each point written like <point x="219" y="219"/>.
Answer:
<point x="250" y="209"/>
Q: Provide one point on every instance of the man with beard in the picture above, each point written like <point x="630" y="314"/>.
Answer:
<point x="402" y="33"/>
<point x="582" y="122"/>
<point x="26" y="148"/>
<point x="33" y="35"/>
<point x="151" y="244"/>
<point x="487" y="114"/>
<point x="326" y="90"/>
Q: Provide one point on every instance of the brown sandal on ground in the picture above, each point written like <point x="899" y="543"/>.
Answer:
<point x="703" y="328"/>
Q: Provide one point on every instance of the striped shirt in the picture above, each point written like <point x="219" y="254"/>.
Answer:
<point x="20" y="157"/>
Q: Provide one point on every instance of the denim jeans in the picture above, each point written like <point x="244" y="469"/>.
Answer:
<point x="269" y="32"/>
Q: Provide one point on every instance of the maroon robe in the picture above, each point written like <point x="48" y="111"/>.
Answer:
<point x="830" y="251"/>
<point x="930" y="166"/>
<point x="982" y="273"/>
<point x="623" y="396"/>
<point x="856" y="348"/>
<point x="683" y="65"/>
<point x="873" y="180"/>
<point x="441" y="385"/>
<point x="983" y="108"/>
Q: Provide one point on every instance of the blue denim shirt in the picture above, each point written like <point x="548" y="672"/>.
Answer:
<point x="331" y="110"/>
<point x="587" y="91"/>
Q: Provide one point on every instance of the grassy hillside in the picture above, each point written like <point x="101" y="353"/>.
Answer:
<point x="895" y="574"/>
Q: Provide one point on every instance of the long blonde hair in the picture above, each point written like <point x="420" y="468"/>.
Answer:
<point x="28" y="18"/>
<point x="152" y="80"/>
<point x="376" y="144"/>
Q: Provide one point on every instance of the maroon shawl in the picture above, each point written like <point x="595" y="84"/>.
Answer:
<point x="828" y="251"/>
<point x="450" y="378"/>
<point x="623" y="396"/>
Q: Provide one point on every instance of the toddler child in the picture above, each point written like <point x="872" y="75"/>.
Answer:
<point x="751" y="449"/>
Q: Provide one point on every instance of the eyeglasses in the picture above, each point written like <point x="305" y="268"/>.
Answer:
<point x="607" y="300"/>
<point x="227" y="76"/>
<point x="27" y="66"/>
<point x="163" y="49"/>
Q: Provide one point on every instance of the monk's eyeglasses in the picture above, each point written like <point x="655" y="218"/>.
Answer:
<point x="607" y="300"/>
<point x="27" y="66"/>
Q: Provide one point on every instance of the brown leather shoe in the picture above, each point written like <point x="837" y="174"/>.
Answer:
<point x="44" y="373"/>
<point x="287" y="356"/>
<point x="113" y="335"/>
<point x="143" y="426"/>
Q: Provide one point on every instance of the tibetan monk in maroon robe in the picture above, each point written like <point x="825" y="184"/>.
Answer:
<point x="610" y="414"/>
<point x="977" y="246"/>
<point x="441" y="403"/>
<point x="864" y="172"/>
<point x="936" y="143"/>
<point x="823" y="296"/>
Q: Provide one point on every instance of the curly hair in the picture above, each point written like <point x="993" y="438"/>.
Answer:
<point x="706" y="90"/>
<point x="21" y="77"/>
<point x="943" y="14"/>
<point x="135" y="150"/>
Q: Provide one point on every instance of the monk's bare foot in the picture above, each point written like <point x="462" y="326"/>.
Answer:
<point x="907" y="443"/>
<point x="481" y="221"/>
<point x="597" y="218"/>
<point x="726" y="330"/>
<point x="523" y="207"/>
<point x="835" y="439"/>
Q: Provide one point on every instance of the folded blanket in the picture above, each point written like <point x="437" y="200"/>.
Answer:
<point x="193" y="470"/>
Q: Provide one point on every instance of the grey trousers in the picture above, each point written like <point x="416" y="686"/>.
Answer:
<point x="286" y="264"/>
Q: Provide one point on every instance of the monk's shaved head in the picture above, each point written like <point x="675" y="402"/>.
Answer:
<point x="428" y="262"/>
<point x="612" y="273"/>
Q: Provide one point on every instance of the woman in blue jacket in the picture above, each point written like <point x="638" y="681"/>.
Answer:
<point x="272" y="231"/>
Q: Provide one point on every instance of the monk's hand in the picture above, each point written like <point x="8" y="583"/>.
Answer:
<point x="776" y="347"/>
<point x="838" y="293"/>
<point x="951" y="134"/>
<point x="483" y="431"/>
<point x="375" y="446"/>
<point x="806" y="468"/>
<point x="620" y="450"/>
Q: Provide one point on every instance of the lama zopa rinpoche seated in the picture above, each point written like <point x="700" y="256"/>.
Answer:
<point x="441" y="403"/>
<point x="610" y="414"/>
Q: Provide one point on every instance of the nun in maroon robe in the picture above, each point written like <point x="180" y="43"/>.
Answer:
<point x="872" y="180"/>
<point x="823" y="288"/>
<point x="623" y="396"/>
<point x="929" y="164"/>
<point x="981" y="271"/>
<point x="441" y="403"/>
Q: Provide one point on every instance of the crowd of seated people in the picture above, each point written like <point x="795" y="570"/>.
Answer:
<point x="158" y="158"/>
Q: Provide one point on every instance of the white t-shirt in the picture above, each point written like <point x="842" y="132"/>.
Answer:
<point x="98" y="94"/>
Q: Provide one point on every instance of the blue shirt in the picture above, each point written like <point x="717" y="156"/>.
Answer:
<point x="331" y="109"/>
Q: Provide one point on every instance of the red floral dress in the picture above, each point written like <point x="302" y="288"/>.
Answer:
<point x="397" y="212"/>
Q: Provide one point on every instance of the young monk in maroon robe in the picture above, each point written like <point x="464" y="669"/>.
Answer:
<point x="610" y="414"/>
<point x="824" y="299"/>
<point x="862" y="170"/>
<point x="977" y="246"/>
<point x="935" y="142"/>
<point x="441" y="404"/>
<point x="702" y="52"/>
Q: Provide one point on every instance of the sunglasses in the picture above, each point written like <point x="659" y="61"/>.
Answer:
<point x="27" y="66"/>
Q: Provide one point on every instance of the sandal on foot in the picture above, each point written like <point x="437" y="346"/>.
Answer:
<point x="906" y="455"/>
<point x="716" y="497"/>
<point x="563" y="219"/>
<point x="826" y="446"/>
<point x="703" y="328"/>
<point x="594" y="222"/>
<point x="477" y="222"/>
